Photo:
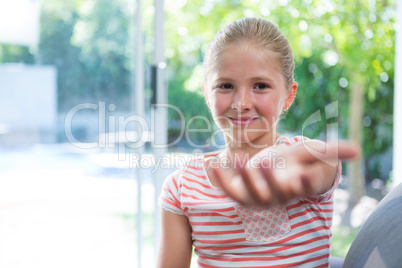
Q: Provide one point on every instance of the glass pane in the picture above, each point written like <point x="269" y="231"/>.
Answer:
<point x="67" y="188"/>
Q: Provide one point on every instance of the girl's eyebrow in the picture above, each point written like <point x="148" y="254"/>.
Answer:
<point x="262" y="78"/>
<point x="223" y="78"/>
<point x="257" y="78"/>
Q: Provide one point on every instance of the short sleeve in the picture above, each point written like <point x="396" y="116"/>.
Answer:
<point x="169" y="198"/>
<point x="291" y="141"/>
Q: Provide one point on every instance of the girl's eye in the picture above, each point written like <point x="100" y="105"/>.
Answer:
<point x="261" y="86"/>
<point x="225" y="86"/>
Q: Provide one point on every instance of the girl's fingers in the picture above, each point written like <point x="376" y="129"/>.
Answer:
<point x="286" y="184"/>
<point x="313" y="151"/>
<point x="348" y="150"/>
<point x="262" y="186"/>
<point x="231" y="184"/>
<point x="266" y="185"/>
<point x="279" y="194"/>
<point x="256" y="186"/>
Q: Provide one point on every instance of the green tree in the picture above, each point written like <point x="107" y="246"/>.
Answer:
<point x="89" y="43"/>
<point x="340" y="48"/>
<point x="15" y="54"/>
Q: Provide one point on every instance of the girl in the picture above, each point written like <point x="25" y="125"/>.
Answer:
<point x="265" y="200"/>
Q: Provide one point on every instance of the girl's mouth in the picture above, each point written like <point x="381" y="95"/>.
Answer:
<point x="242" y="120"/>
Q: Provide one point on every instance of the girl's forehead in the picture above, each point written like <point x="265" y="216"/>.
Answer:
<point x="246" y="52"/>
<point x="246" y="47"/>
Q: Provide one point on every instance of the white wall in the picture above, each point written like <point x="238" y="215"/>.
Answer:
<point x="28" y="99"/>
<point x="19" y="22"/>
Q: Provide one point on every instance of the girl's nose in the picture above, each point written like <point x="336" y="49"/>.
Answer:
<point x="242" y="101"/>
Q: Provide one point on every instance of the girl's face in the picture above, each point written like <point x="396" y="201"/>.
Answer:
<point x="246" y="93"/>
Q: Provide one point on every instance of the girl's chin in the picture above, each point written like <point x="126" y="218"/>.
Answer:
<point x="252" y="141"/>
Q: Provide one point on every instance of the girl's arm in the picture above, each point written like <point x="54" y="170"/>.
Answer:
<point x="176" y="244"/>
<point x="277" y="175"/>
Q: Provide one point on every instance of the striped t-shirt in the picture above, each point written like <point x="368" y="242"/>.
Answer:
<point x="227" y="234"/>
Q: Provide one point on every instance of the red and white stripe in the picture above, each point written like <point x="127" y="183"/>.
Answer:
<point x="218" y="232"/>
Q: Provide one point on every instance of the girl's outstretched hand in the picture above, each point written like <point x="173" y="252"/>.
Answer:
<point x="279" y="174"/>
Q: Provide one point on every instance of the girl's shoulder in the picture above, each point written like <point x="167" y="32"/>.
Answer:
<point x="195" y="164"/>
<point x="291" y="140"/>
<point x="197" y="160"/>
<point x="190" y="170"/>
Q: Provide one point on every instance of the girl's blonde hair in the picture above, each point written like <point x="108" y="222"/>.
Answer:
<point x="261" y="33"/>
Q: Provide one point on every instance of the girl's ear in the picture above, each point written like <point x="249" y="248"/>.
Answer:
<point x="290" y="96"/>
<point x="205" y="95"/>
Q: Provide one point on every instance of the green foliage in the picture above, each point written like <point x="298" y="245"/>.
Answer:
<point x="15" y="54"/>
<point x="336" y="44"/>
<point x="88" y="42"/>
<point x="342" y="238"/>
